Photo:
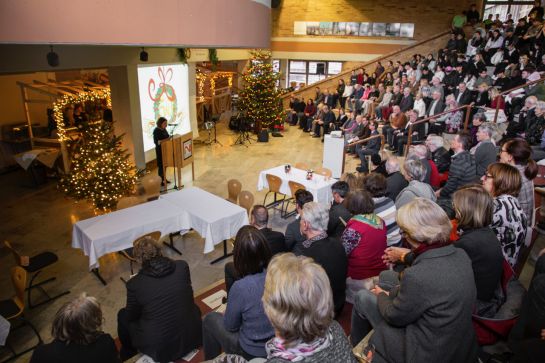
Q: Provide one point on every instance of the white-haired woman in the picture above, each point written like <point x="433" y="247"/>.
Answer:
<point x="414" y="172"/>
<point x="453" y="119"/>
<point x="426" y="316"/>
<point x="485" y="151"/>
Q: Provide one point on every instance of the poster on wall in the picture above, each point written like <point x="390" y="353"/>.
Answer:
<point x="299" y="27"/>
<point x="164" y="92"/>
<point x="366" y="29"/>
<point x="352" y="28"/>
<point x="313" y="27"/>
<point x="326" y="28"/>
<point x="339" y="28"/>
<point x="379" y="29"/>
<point x="392" y="29"/>
<point x="406" y="30"/>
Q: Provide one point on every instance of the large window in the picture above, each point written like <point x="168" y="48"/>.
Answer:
<point x="517" y="9"/>
<point x="309" y="72"/>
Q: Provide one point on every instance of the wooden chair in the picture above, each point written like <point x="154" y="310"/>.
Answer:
<point x="13" y="309"/>
<point x="127" y="202"/>
<point x="303" y="166"/>
<point x="128" y="253"/>
<point x="35" y="265"/>
<point x="152" y="186"/>
<point x="324" y="171"/>
<point x="274" y="187"/>
<point x="294" y="187"/>
<point x="234" y="186"/>
<point x="246" y="200"/>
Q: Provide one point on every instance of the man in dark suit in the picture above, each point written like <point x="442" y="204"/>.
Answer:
<point x="436" y="107"/>
<point x="328" y="99"/>
<point x="326" y="119"/>
<point x="462" y="95"/>
<point x="338" y="211"/>
<point x="370" y="148"/>
<point x="407" y="100"/>
<point x="259" y="218"/>
<point x="293" y="230"/>
<point x="401" y="137"/>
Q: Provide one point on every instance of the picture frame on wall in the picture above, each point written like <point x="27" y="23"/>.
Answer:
<point x="339" y="28"/>
<point x="313" y="28"/>
<point x="406" y="30"/>
<point x="352" y="28"/>
<point x="392" y="29"/>
<point x="379" y="29"/>
<point x="366" y="29"/>
<point x="326" y="28"/>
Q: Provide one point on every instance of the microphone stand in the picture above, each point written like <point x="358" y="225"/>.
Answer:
<point x="173" y="157"/>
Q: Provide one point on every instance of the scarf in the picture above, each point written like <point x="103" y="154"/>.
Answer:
<point x="310" y="241"/>
<point x="276" y="348"/>
<point x="426" y="247"/>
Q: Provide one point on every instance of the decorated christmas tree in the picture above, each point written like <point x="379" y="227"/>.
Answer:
<point x="101" y="172"/>
<point x="260" y="97"/>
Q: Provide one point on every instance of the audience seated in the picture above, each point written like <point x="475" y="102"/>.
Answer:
<point x="414" y="172"/>
<point x="160" y="319"/>
<point x="259" y="218"/>
<point x="518" y="153"/>
<point x="293" y="231"/>
<point x="77" y="335"/>
<point x="503" y="183"/>
<point x="439" y="155"/>
<point x="326" y="251"/>
<point x="376" y="185"/>
<point x="244" y="329"/>
<point x="364" y="241"/>
<point x="370" y="148"/>
<point x="395" y="181"/>
<point x="474" y="208"/>
<point x="425" y="312"/>
<point x="338" y="214"/>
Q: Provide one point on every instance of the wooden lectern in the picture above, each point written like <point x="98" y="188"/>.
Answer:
<point x="177" y="152"/>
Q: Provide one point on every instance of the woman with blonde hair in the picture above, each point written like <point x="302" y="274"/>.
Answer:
<point x="78" y="336"/>
<point x="509" y="222"/>
<point x="299" y="303"/>
<point x="431" y="302"/>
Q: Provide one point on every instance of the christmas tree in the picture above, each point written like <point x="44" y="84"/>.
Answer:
<point x="260" y="97"/>
<point x="101" y="172"/>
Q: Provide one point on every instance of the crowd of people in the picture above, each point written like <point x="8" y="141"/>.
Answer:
<point x="418" y="246"/>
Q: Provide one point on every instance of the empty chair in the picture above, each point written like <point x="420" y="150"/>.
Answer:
<point x="274" y="187"/>
<point x="324" y="171"/>
<point x="127" y="202"/>
<point x="12" y="309"/>
<point x="246" y="200"/>
<point x="234" y="186"/>
<point x="35" y="265"/>
<point x="294" y="186"/>
<point x="152" y="186"/>
<point x="303" y="166"/>
<point x="127" y="253"/>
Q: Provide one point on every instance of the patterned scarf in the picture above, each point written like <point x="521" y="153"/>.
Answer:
<point x="276" y="348"/>
<point x="310" y="241"/>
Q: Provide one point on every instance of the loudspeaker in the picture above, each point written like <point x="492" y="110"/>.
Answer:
<point x="52" y="58"/>
<point x="320" y="68"/>
<point x="263" y="136"/>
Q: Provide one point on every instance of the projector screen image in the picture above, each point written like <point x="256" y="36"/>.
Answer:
<point x="164" y="92"/>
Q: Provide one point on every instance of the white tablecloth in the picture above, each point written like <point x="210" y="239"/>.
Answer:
<point x="44" y="156"/>
<point x="214" y="218"/>
<point x="117" y="231"/>
<point x="318" y="186"/>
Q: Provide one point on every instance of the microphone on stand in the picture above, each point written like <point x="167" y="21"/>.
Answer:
<point x="173" y="124"/>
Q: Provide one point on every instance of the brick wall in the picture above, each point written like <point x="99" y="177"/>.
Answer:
<point x="429" y="16"/>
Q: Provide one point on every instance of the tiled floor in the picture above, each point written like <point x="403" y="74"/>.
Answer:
<point x="41" y="219"/>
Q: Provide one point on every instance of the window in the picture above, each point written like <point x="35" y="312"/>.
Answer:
<point x="309" y="72"/>
<point x="516" y="8"/>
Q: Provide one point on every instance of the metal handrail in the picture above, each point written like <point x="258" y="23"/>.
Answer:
<point x="367" y="139"/>
<point x="511" y="90"/>
<point x="365" y="64"/>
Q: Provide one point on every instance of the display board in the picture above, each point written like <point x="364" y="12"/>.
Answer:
<point x="164" y="92"/>
<point x="328" y="28"/>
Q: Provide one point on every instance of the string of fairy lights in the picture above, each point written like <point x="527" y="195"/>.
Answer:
<point x="211" y="77"/>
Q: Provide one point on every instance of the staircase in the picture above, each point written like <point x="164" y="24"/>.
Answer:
<point x="424" y="47"/>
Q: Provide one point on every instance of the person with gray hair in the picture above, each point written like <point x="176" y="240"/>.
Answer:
<point x="537" y="138"/>
<point x="439" y="155"/>
<point x="421" y="152"/>
<point x="485" y="151"/>
<point x="395" y="182"/>
<point x="415" y="172"/>
<point x="326" y="251"/>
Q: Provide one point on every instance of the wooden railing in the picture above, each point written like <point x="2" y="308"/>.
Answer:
<point x="511" y="90"/>
<point x="365" y="64"/>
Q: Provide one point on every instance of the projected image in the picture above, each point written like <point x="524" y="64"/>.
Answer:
<point x="164" y="92"/>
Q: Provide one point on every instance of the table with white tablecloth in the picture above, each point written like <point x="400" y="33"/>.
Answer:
<point x="214" y="218"/>
<point x="117" y="230"/>
<point x="46" y="156"/>
<point x="319" y="186"/>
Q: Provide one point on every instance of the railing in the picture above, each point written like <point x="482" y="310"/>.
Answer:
<point x="511" y="90"/>
<point x="366" y="64"/>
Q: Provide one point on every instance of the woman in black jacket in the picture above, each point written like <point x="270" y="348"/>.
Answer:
<point x="77" y="336"/>
<point x="474" y="208"/>
<point x="161" y="319"/>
